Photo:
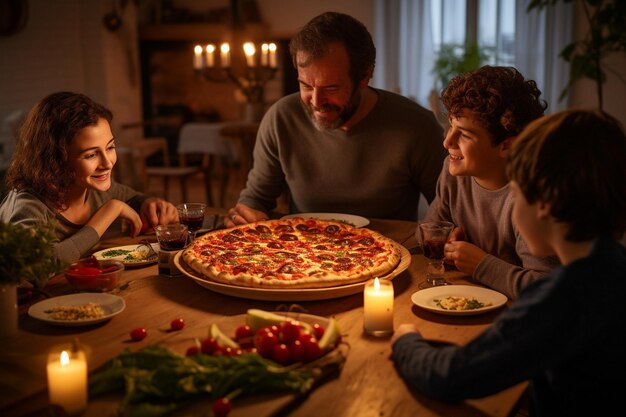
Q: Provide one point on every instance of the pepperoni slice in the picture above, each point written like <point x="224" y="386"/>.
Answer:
<point x="275" y="245"/>
<point x="283" y="228"/>
<point x="344" y="242"/>
<point x="314" y="231"/>
<point x="252" y="250"/>
<point x="264" y="230"/>
<point x="287" y="269"/>
<point x="366" y="241"/>
<point x="343" y="260"/>
<point x="287" y="254"/>
<point x="230" y="238"/>
<point x="253" y="232"/>
<point x="333" y="229"/>
<point x="343" y="266"/>
<point x="237" y="232"/>
<point x="321" y="247"/>
<point x="325" y="257"/>
<point x="288" y="237"/>
<point x="302" y="227"/>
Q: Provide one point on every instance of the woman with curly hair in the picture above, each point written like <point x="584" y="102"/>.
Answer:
<point x="487" y="109"/>
<point x="61" y="171"/>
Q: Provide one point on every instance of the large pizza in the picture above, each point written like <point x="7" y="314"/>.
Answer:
<point x="292" y="253"/>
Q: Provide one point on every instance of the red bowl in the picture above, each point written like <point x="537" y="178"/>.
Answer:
<point x="94" y="275"/>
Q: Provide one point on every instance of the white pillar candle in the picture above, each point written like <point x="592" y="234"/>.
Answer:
<point x="265" y="51"/>
<point x="273" y="62"/>
<point x="197" y="57"/>
<point x="378" y="307"/>
<point x="67" y="380"/>
<point x="210" y="55"/>
<point x="225" y="55"/>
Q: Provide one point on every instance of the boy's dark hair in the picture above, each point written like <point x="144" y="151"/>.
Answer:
<point x="574" y="161"/>
<point x="332" y="27"/>
<point x="498" y="97"/>
<point x="40" y="163"/>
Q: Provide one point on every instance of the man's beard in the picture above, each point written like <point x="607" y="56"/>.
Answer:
<point x="344" y="113"/>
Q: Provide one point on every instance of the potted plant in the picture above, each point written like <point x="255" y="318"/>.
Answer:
<point x="606" y="35"/>
<point x="453" y="59"/>
<point x="26" y="255"/>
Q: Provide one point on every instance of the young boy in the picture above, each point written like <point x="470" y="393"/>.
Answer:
<point x="565" y="333"/>
<point x="487" y="109"/>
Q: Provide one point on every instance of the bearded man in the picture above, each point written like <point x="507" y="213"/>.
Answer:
<point x="339" y="145"/>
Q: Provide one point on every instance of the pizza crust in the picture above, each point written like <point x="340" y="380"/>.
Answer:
<point x="295" y="253"/>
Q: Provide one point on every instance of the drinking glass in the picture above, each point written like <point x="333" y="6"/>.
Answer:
<point x="433" y="237"/>
<point x="191" y="215"/>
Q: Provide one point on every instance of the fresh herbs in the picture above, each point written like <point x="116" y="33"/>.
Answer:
<point x="28" y="253"/>
<point x="157" y="381"/>
<point x="115" y="252"/>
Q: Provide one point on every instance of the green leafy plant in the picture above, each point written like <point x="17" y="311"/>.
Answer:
<point x="606" y="35"/>
<point x="453" y="59"/>
<point x="27" y="254"/>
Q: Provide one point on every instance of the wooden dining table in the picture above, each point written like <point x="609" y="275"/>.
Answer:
<point x="367" y="385"/>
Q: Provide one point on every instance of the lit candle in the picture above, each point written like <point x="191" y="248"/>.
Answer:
<point x="197" y="58"/>
<point x="273" y="62"/>
<point x="210" y="55"/>
<point x="225" y="55"/>
<point x="67" y="380"/>
<point x="265" y="50"/>
<point x="249" y="50"/>
<point x="378" y="307"/>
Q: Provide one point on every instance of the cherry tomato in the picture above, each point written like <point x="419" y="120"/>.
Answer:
<point x="192" y="350"/>
<point x="221" y="407"/>
<point x="281" y="354"/>
<point x="177" y="324"/>
<point x="312" y="349"/>
<point x="138" y="334"/>
<point x="243" y="332"/>
<point x="265" y="341"/>
<point x="318" y="330"/>
<point x="289" y="331"/>
<point x="209" y="346"/>
<point x="296" y="351"/>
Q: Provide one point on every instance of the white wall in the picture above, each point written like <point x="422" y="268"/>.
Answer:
<point x="66" y="47"/>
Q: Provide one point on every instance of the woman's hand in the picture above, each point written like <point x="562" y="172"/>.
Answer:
<point x="156" y="211"/>
<point x="109" y="212"/>
<point x="242" y="214"/>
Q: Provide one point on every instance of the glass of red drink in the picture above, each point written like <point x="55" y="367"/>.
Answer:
<point x="433" y="237"/>
<point x="172" y="237"/>
<point x="191" y="215"/>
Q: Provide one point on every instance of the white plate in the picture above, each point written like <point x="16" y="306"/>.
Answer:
<point x="426" y="298"/>
<point x="111" y="304"/>
<point x="103" y="255"/>
<point x="356" y="221"/>
<point x="286" y="294"/>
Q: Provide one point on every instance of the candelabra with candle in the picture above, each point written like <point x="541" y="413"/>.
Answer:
<point x="260" y="68"/>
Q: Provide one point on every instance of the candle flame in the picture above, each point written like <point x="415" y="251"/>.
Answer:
<point x="197" y="49"/>
<point x="210" y="48"/>
<point x="265" y="47"/>
<point x="376" y="285"/>
<point x="65" y="358"/>
<point x="249" y="48"/>
<point x="272" y="47"/>
<point x="225" y="48"/>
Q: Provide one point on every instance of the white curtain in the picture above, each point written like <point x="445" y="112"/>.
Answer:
<point x="539" y="38"/>
<point x="405" y="47"/>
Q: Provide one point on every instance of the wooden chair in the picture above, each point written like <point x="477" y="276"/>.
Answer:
<point x="145" y="148"/>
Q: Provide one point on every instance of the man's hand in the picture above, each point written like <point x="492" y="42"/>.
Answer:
<point x="155" y="211"/>
<point x="242" y="214"/>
